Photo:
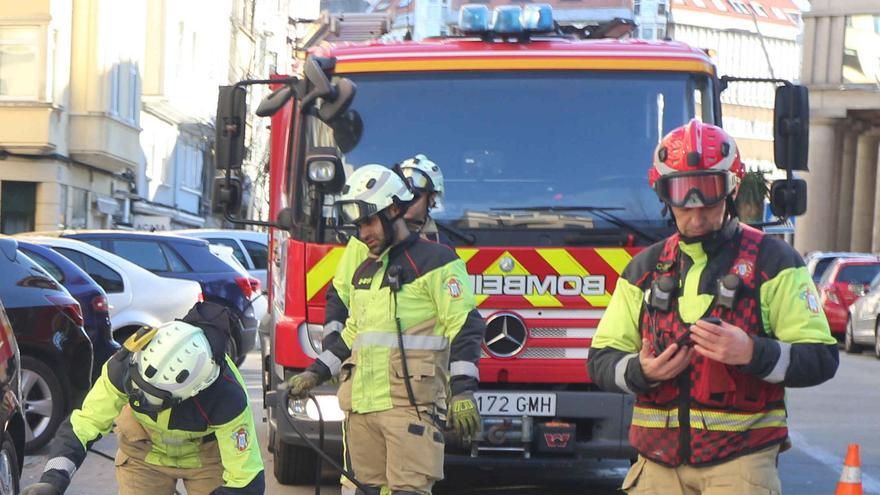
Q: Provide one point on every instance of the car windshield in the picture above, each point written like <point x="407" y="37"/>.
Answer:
<point x="539" y="139"/>
<point x="858" y="274"/>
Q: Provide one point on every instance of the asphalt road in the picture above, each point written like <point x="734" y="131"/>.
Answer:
<point x="824" y="420"/>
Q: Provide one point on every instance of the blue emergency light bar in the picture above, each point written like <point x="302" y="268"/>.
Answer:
<point x="473" y="18"/>
<point x="506" y="19"/>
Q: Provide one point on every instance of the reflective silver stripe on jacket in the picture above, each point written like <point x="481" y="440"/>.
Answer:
<point x="61" y="463"/>
<point x="465" y="368"/>
<point x="387" y="339"/>
<point x="777" y="374"/>
<point x="331" y="361"/>
<point x="332" y="327"/>
<point x="620" y="373"/>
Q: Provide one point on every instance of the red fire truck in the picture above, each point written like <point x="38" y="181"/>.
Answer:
<point x="544" y="141"/>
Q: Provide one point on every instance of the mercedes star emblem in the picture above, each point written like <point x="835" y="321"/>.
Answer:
<point x="506" y="335"/>
<point x="506" y="264"/>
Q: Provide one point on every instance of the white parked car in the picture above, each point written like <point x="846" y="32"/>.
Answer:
<point x="251" y="248"/>
<point x="137" y="296"/>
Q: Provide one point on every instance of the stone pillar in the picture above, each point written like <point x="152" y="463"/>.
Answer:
<point x="864" y="193"/>
<point x="847" y="186"/>
<point x="875" y="225"/>
<point x="814" y="229"/>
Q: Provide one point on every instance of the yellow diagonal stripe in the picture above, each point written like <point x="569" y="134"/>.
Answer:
<point x="564" y="263"/>
<point x="466" y="253"/>
<point x="322" y="272"/>
<point x="615" y="257"/>
<point x="537" y="300"/>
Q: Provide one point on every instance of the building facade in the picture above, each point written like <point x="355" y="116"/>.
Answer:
<point x="768" y="30"/>
<point x="107" y="107"/>
<point x="69" y="113"/>
<point x="842" y="69"/>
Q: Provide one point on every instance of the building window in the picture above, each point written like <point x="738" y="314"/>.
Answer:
<point x="647" y="33"/>
<point x="18" y="205"/>
<point x="759" y="9"/>
<point x="661" y="33"/>
<point x="861" y="63"/>
<point x="19" y="62"/>
<point x="720" y="5"/>
<point x="738" y="6"/>
<point x="637" y="7"/>
<point x="661" y="7"/>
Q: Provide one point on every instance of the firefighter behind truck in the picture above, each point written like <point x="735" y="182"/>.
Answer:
<point x="542" y="139"/>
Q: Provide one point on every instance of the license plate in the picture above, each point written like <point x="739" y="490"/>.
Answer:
<point x="514" y="404"/>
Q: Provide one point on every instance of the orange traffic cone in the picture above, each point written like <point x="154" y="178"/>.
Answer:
<point x="851" y="477"/>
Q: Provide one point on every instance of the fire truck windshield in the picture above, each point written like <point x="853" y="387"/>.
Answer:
<point x="505" y="139"/>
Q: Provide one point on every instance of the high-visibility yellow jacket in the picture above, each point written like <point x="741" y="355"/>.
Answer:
<point x="794" y="348"/>
<point x="176" y="436"/>
<point x="441" y="329"/>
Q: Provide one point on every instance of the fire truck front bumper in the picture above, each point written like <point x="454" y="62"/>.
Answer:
<point x="587" y="425"/>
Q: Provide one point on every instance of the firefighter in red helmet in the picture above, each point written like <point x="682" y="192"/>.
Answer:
<point x="707" y="328"/>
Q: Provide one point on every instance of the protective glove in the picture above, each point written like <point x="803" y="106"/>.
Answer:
<point x="464" y="415"/>
<point x="41" y="489"/>
<point x="298" y="385"/>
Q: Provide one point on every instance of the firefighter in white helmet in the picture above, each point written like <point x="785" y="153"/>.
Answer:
<point x="181" y="411"/>
<point x="410" y="330"/>
<point x="426" y="180"/>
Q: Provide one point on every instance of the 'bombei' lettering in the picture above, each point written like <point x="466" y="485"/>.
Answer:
<point x="528" y="285"/>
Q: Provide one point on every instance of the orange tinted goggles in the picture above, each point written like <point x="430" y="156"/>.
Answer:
<point x="693" y="191"/>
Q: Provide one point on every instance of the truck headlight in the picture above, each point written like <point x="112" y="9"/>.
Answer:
<point x="306" y="410"/>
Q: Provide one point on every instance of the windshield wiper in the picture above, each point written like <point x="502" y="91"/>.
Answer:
<point x="602" y="212"/>
<point x="469" y="239"/>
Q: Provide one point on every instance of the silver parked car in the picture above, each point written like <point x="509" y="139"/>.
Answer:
<point x="863" y="323"/>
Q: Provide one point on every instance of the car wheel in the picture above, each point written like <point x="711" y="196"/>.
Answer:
<point x="235" y="328"/>
<point x="877" y="340"/>
<point x="43" y="399"/>
<point x="10" y="477"/>
<point x="849" y="343"/>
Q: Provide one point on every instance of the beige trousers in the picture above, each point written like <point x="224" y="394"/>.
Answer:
<point x="750" y="474"/>
<point x="395" y="449"/>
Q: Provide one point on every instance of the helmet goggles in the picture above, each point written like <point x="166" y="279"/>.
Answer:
<point x="415" y="178"/>
<point x="694" y="189"/>
<point x="353" y="212"/>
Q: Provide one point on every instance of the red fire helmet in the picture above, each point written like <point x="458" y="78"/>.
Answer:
<point x="695" y="165"/>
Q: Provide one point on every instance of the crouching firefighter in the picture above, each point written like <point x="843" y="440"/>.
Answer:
<point x="181" y="411"/>
<point x="411" y="322"/>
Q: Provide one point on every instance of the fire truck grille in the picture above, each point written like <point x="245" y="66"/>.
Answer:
<point x="554" y="353"/>
<point x="561" y="333"/>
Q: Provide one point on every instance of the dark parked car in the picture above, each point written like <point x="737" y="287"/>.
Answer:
<point x="56" y="353"/>
<point x="184" y="257"/>
<point x="11" y="415"/>
<point x="91" y="297"/>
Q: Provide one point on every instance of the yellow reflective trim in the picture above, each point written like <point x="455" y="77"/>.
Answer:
<point x="616" y="258"/>
<point x="537" y="300"/>
<point x="466" y="253"/>
<point x="564" y="263"/>
<point x="709" y="420"/>
<point x="323" y="271"/>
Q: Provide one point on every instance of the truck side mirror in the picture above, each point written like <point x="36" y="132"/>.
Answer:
<point x="227" y="195"/>
<point x="274" y="101"/>
<point x="791" y="127"/>
<point x="230" y="122"/>
<point x="331" y="110"/>
<point x="788" y="197"/>
<point x="324" y="170"/>
<point x="285" y="220"/>
<point x="319" y="84"/>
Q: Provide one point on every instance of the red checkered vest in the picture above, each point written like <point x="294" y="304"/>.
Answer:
<point x="712" y="411"/>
